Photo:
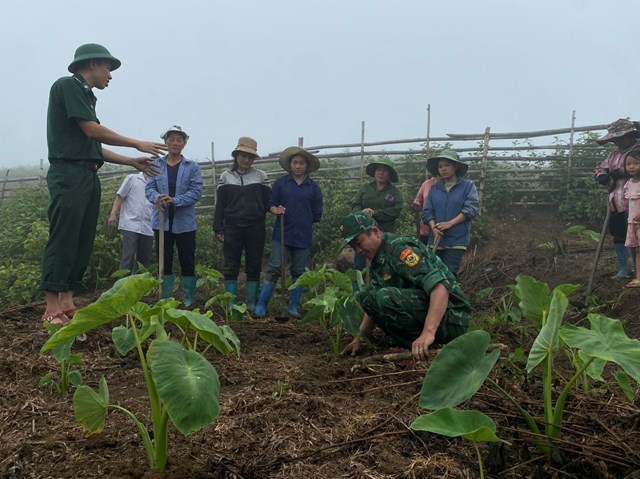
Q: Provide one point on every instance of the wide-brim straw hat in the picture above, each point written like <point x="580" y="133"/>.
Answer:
<point x="618" y="129"/>
<point x="92" y="51"/>
<point x="246" y="145"/>
<point x="371" y="169"/>
<point x="449" y="155"/>
<point x="313" y="164"/>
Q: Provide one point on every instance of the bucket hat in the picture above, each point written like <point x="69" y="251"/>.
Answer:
<point x="618" y="129"/>
<point x="354" y="224"/>
<point x="313" y="163"/>
<point x="175" y="129"/>
<point x="92" y="51"/>
<point x="246" y="145"/>
<point x="450" y="155"/>
<point x="371" y="169"/>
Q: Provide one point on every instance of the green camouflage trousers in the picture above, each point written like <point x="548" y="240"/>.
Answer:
<point x="400" y="313"/>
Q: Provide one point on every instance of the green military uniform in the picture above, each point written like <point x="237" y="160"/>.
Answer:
<point x="74" y="186"/>
<point x="403" y="273"/>
<point x="386" y="204"/>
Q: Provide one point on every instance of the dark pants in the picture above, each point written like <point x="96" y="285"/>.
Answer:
<point x="251" y="240"/>
<point x="186" y="245"/>
<point x="401" y="313"/>
<point x="136" y="248"/>
<point x="452" y="258"/>
<point x="618" y="226"/>
<point x="74" y="205"/>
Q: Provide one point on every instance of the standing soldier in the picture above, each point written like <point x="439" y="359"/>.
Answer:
<point x="74" y="138"/>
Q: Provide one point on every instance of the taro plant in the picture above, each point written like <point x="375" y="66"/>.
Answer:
<point x="211" y="280"/>
<point x="333" y="302"/>
<point x="67" y="361"/>
<point x="277" y="394"/>
<point x="182" y="386"/>
<point x="466" y="356"/>
<point x="605" y="341"/>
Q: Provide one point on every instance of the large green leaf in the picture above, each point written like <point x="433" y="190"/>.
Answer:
<point x="349" y="313"/>
<point x="472" y="425"/>
<point x="62" y="351"/>
<point x="547" y="342"/>
<point x="458" y="371"/>
<point x="231" y="336"/>
<point x="112" y="304"/>
<point x="534" y="298"/>
<point x="90" y="407"/>
<point x="341" y="280"/>
<point x="123" y="339"/>
<point x="204" y="325"/>
<point x="187" y="384"/>
<point x="605" y="340"/>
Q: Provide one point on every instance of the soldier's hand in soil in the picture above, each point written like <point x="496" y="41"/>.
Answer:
<point x="354" y="346"/>
<point x="420" y="347"/>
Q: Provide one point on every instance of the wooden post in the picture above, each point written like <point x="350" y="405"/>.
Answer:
<point x="570" y="158"/>
<point x="362" y="151"/>
<point x="300" y="141"/>
<point x="4" y="185"/>
<point x="213" y="174"/>
<point x="483" y="171"/>
<point x="428" y="143"/>
<point x="41" y="172"/>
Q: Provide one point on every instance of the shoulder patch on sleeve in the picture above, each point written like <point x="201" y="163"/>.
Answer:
<point x="409" y="257"/>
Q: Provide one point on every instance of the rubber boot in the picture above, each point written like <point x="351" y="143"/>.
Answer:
<point x="294" y="300"/>
<point x="231" y="286"/>
<point x="268" y="287"/>
<point x="623" y="254"/>
<point x="189" y="289"/>
<point x="252" y="295"/>
<point x="167" y="286"/>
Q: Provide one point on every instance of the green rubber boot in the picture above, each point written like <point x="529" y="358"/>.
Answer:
<point x="231" y="286"/>
<point x="167" y="286"/>
<point x="189" y="289"/>
<point x="252" y="295"/>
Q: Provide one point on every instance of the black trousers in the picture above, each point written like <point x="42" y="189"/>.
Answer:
<point x="186" y="244"/>
<point x="618" y="226"/>
<point x="251" y="240"/>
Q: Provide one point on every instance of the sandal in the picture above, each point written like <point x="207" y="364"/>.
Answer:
<point x="71" y="312"/>
<point x="58" y="318"/>
<point x="634" y="284"/>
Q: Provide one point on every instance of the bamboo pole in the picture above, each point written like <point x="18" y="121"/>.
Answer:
<point x="4" y="184"/>
<point x="569" y="159"/>
<point x="483" y="172"/>
<point x="362" y="151"/>
<point x="213" y="173"/>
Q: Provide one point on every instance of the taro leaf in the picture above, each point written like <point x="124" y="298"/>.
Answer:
<point x="484" y="294"/>
<point x="232" y="337"/>
<point x="62" y="351"/>
<point x="204" y="325"/>
<point x="547" y="342"/>
<point x="75" y="359"/>
<point x="310" y="278"/>
<point x="575" y="229"/>
<point x="349" y="314"/>
<point x="90" y="407"/>
<point x="341" y="280"/>
<point x="605" y="340"/>
<point x="123" y="339"/>
<point x="472" y="425"/>
<point x="534" y="298"/>
<point x="623" y="380"/>
<point x="238" y="312"/>
<point x="568" y="288"/>
<point x="187" y="384"/>
<point x="595" y="369"/>
<point x="458" y="371"/>
<point x="327" y="299"/>
<point x="313" y="314"/>
<point x="112" y="304"/>
<point x="75" y="378"/>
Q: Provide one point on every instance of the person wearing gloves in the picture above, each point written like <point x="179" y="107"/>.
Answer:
<point x="611" y="173"/>
<point x="175" y="191"/>
<point x="239" y="221"/>
<point x="451" y="205"/>
<point x="297" y="200"/>
<point x="380" y="199"/>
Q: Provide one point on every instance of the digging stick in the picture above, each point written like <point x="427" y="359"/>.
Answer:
<point x="283" y="318"/>
<point x="596" y="258"/>
<point x="161" y="247"/>
<point x="404" y="355"/>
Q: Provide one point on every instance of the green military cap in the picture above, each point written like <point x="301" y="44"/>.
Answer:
<point x="354" y="224"/>
<point x="371" y="169"/>
<point x="450" y="155"/>
<point x="92" y="51"/>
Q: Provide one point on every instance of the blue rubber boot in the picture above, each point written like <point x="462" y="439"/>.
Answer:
<point x="167" y="286"/>
<point x="294" y="300"/>
<point x="252" y="295"/>
<point x="231" y="286"/>
<point x="189" y="289"/>
<point x="268" y="288"/>
<point x="624" y="255"/>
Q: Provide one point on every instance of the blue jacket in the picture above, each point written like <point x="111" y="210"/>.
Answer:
<point x="443" y="205"/>
<point x="188" y="192"/>
<point x="304" y="207"/>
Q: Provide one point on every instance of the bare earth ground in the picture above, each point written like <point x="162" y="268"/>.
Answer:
<point x="338" y="417"/>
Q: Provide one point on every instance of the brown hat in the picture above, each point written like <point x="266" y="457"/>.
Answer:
<point x="246" y="145"/>
<point x="313" y="163"/>
<point x="618" y="129"/>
